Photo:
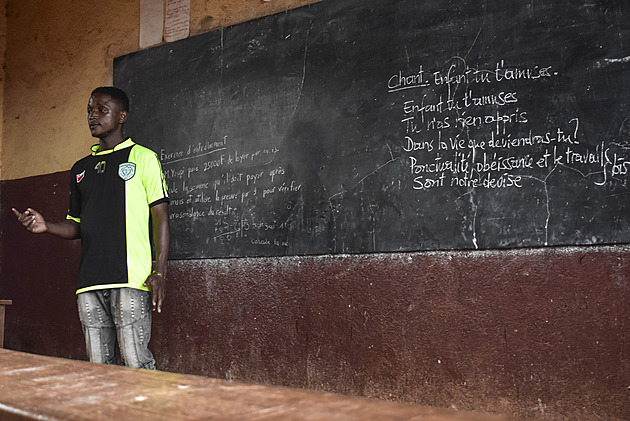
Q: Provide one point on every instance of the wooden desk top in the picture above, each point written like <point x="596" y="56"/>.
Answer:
<point x="38" y="387"/>
<point x="6" y="302"/>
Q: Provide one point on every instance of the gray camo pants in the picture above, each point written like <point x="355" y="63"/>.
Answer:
<point x="114" y="320"/>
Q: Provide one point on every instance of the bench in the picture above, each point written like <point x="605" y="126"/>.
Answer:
<point x="34" y="387"/>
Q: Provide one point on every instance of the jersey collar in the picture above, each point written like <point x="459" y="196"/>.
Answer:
<point x="122" y="145"/>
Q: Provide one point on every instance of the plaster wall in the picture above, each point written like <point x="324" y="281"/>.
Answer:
<point x="58" y="51"/>
<point x="538" y="333"/>
<point x="3" y="47"/>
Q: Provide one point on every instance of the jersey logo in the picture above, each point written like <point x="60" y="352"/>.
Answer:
<point x="127" y="170"/>
<point x="80" y="177"/>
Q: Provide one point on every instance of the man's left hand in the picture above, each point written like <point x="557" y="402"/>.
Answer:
<point x="157" y="283"/>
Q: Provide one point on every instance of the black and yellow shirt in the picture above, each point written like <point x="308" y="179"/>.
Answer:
<point x="111" y="193"/>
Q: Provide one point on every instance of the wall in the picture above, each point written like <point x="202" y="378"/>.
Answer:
<point x="3" y="46"/>
<point x="539" y="333"/>
<point x="67" y="50"/>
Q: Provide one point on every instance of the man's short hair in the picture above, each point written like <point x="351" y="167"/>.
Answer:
<point x="117" y="95"/>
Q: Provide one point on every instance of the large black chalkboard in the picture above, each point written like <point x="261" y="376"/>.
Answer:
<point x="353" y="126"/>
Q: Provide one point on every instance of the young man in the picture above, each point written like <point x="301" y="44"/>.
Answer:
<point x="113" y="192"/>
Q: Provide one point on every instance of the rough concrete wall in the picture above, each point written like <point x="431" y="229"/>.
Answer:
<point x="533" y="333"/>
<point x="58" y="51"/>
<point x="3" y="45"/>
<point x="3" y="48"/>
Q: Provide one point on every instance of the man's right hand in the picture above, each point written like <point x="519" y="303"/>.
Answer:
<point x="32" y="220"/>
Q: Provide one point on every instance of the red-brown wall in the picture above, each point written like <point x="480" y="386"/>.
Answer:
<point x="541" y="333"/>
<point x="39" y="271"/>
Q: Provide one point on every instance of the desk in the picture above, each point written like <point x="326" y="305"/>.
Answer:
<point x="3" y="304"/>
<point x="34" y="387"/>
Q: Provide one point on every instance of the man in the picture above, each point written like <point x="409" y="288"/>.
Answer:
<point x="113" y="192"/>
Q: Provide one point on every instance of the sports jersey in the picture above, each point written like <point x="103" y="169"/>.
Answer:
<point x="111" y="193"/>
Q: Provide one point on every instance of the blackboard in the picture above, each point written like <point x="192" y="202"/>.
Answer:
<point x="355" y="126"/>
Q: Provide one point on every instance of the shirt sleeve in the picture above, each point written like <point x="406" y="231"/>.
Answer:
<point x="74" y="201"/>
<point x="153" y="179"/>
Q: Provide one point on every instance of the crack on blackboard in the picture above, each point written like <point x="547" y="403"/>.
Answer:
<point x="221" y="68"/>
<point x="473" y="227"/>
<point x="474" y="42"/>
<point x="544" y="182"/>
<point x="297" y="103"/>
<point x="380" y="167"/>
<point x="408" y="58"/>
<point x="548" y="209"/>
<point x="451" y="95"/>
<point x="547" y="199"/>
<point x="474" y="222"/>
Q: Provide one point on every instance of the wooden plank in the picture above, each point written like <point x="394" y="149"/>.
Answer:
<point x="34" y="387"/>
<point x="3" y="303"/>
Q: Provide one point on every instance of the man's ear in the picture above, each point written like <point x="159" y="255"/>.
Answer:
<point x="123" y="117"/>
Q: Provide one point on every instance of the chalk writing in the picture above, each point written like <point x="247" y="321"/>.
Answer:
<point x="464" y="126"/>
<point x="213" y="180"/>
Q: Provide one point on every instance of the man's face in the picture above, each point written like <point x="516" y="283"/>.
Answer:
<point x="105" y="115"/>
